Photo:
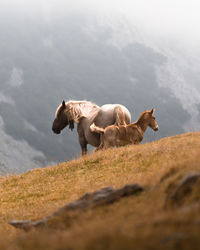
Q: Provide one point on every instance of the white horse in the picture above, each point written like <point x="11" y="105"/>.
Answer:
<point x="84" y="113"/>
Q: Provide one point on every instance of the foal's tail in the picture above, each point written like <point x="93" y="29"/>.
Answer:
<point x="96" y="129"/>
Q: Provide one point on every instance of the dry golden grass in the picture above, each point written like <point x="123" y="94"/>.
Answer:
<point x="138" y="222"/>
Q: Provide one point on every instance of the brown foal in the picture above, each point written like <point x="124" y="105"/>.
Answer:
<point x="121" y="135"/>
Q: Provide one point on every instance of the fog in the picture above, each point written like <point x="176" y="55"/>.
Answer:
<point x="177" y="18"/>
<point x="146" y="51"/>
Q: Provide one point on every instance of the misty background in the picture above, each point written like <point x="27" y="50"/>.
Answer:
<point x="139" y="54"/>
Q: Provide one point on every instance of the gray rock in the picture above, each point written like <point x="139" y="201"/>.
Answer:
<point x="182" y="190"/>
<point x="102" y="197"/>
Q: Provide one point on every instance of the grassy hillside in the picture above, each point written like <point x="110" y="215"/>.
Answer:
<point x="137" y="222"/>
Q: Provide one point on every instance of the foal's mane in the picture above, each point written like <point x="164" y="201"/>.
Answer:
<point x="142" y="115"/>
<point x="78" y="109"/>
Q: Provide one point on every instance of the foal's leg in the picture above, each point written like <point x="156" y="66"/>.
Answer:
<point x="110" y="137"/>
<point x="109" y="142"/>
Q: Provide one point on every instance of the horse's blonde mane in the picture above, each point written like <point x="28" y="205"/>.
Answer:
<point x="78" y="109"/>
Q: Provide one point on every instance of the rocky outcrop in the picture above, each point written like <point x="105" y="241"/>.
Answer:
<point x="102" y="197"/>
<point x="185" y="188"/>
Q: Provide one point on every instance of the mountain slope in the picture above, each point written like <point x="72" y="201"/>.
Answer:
<point x="78" y="56"/>
<point x="17" y="156"/>
<point x="141" y="221"/>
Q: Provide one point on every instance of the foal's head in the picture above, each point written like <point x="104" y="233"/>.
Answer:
<point x="62" y="119"/>
<point x="150" y="119"/>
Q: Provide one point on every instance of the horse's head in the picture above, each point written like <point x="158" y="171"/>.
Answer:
<point x="62" y="119"/>
<point x="151" y="120"/>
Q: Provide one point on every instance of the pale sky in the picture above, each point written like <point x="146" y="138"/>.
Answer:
<point x="179" y="18"/>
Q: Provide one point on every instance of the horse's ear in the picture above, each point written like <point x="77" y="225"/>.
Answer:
<point x="152" y="111"/>
<point x="63" y="103"/>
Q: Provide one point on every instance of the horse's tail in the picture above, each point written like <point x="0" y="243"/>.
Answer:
<point x="120" y="117"/>
<point x="96" y="129"/>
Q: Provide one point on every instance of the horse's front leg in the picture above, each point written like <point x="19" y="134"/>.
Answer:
<point x="84" y="149"/>
<point x="83" y="144"/>
<point x="82" y="141"/>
